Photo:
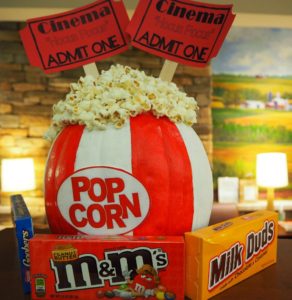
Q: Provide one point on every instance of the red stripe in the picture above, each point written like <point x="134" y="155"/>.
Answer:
<point x="59" y="166"/>
<point x="161" y="162"/>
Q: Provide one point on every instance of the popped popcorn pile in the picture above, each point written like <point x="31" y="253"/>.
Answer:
<point x="117" y="94"/>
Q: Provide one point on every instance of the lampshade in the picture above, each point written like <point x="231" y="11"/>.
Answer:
<point x="17" y="175"/>
<point x="271" y="170"/>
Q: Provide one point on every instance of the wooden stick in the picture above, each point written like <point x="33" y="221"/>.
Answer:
<point x="91" y="70"/>
<point x="168" y="70"/>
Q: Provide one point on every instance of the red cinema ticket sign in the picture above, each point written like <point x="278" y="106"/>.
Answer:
<point x="183" y="31"/>
<point x="77" y="37"/>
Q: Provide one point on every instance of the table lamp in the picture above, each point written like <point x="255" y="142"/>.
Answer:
<point x="271" y="173"/>
<point x="17" y="175"/>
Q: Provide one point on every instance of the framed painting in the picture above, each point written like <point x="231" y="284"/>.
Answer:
<point x="252" y="101"/>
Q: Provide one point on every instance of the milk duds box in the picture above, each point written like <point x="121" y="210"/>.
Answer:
<point x="116" y="267"/>
<point x="222" y="255"/>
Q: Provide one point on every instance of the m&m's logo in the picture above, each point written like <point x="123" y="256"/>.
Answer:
<point x="103" y="200"/>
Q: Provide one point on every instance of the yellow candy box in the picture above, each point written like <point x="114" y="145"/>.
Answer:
<point x="222" y="255"/>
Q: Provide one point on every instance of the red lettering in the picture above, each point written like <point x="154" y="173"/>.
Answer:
<point x="114" y="186"/>
<point x="102" y="186"/>
<point x="96" y="208"/>
<point x="72" y="213"/>
<point x="127" y="205"/>
<point x="114" y="213"/>
<point x="79" y="184"/>
<point x="101" y="215"/>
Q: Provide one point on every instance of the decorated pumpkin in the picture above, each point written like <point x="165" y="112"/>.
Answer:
<point x="125" y="173"/>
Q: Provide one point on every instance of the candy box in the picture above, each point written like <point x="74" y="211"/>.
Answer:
<point x="222" y="255"/>
<point x="103" y="267"/>
<point x="24" y="231"/>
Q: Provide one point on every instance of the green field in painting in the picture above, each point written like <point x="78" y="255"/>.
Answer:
<point x="245" y="154"/>
<point x="262" y="85"/>
<point x="252" y="126"/>
<point x="240" y="134"/>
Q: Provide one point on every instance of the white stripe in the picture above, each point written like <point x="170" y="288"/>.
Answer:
<point x="108" y="148"/>
<point x="202" y="176"/>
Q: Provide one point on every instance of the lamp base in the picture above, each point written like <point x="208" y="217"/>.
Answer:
<point x="270" y="199"/>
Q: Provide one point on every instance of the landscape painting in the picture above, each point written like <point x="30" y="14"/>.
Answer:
<point x="252" y="101"/>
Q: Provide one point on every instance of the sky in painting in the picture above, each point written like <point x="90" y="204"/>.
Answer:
<point x="255" y="51"/>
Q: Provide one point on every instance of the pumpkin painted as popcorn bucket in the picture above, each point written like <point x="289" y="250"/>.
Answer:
<point x="151" y="176"/>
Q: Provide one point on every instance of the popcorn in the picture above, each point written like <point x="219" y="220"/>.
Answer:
<point x="115" y="96"/>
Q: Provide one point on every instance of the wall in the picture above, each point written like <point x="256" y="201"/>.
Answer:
<point x="27" y="96"/>
<point x="249" y="12"/>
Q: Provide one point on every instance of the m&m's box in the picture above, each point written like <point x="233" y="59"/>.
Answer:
<point x="107" y="267"/>
<point x="222" y="255"/>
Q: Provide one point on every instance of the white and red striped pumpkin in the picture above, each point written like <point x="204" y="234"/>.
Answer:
<point x="151" y="177"/>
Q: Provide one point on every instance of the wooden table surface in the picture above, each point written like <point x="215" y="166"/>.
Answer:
<point x="273" y="283"/>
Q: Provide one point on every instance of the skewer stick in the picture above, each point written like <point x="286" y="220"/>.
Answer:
<point x="91" y="69"/>
<point x="168" y="70"/>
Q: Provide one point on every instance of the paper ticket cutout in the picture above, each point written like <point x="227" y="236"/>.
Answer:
<point x="183" y="31"/>
<point x="77" y="37"/>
